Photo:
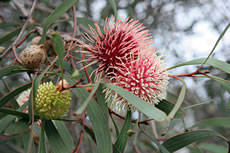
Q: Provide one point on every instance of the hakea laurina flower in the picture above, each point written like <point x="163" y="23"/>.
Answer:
<point x="119" y="39"/>
<point x="145" y="77"/>
<point x="51" y="103"/>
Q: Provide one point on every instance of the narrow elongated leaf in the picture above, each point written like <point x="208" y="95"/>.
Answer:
<point x="14" y="112"/>
<point x="167" y="107"/>
<point x="224" y="83"/>
<point x="141" y="105"/>
<point x="161" y="147"/>
<point x="9" y="25"/>
<point x="97" y="118"/>
<point x="214" y="148"/>
<point x="223" y="122"/>
<point x="54" y="138"/>
<point x="13" y="102"/>
<point x="179" y="100"/>
<point x="20" y="126"/>
<point x="211" y="61"/>
<point x="87" y="23"/>
<point x="27" y="141"/>
<point x="62" y="8"/>
<point x="64" y="133"/>
<point x="13" y="93"/>
<point x="91" y="133"/>
<point x="59" y="48"/>
<point x="86" y="102"/>
<point x="14" y="33"/>
<point x="123" y="136"/>
<point x="12" y="69"/>
<point x="114" y="6"/>
<point x="42" y="142"/>
<point x="9" y="35"/>
<point x="115" y="126"/>
<point x="217" y="42"/>
<point x="101" y="101"/>
<point x="4" y="122"/>
<point x="194" y="149"/>
<point x="182" y="140"/>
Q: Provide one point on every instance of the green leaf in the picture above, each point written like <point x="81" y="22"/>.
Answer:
<point x="86" y="102"/>
<point x="13" y="93"/>
<point x="114" y="6"/>
<point x="64" y="133"/>
<point x="20" y="126"/>
<point x="115" y="126"/>
<point x="179" y="101"/>
<point x="42" y="142"/>
<point x="13" y="102"/>
<point x="224" y="83"/>
<point x="9" y="25"/>
<point x="167" y="107"/>
<point x="59" y="48"/>
<point x="9" y="35"/>
<point x="177" y="142"/>
<point x="12" y="69"/>
<point x="54" y="138"/>
<point x="123" y="136"/>
<point x="223" y="122"/>
<point x="91" y="133"/>
<point x="211" y="61"/>
<point x="217" y="42"/>
<point x="162" y="148"/>
<point x="28" y="147"/>
<point x="62" y="8"/>
<point x="214" y="148"/>
<point x="101" y="101"/>
<point x="86" y="22"/>
<point x="14" y="33"/>
<point x="15" y="113"/>
<point x="141" y="105"/>
<point x="4" y="122"/>
<point x="97" y="118"/>
<point x="194" y="149"/>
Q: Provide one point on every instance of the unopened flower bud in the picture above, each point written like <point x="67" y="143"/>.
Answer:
<point x="51" y="103"/>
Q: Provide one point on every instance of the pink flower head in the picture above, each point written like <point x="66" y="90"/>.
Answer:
<point x="119" y="39"/>
<point x="145" y="77"/>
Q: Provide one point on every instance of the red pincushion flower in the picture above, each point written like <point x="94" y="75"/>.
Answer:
<point x="120" y="39"/>
<point x="146" y="77"/>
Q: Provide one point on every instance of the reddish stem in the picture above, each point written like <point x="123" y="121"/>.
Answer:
<point x="85" y="69"/>
<point x="133" y="121"/>
<point x="193" y="74"/>
<point x="81" y="134"/>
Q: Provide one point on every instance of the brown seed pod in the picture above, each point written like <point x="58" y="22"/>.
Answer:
<point x="36" y="40"/>
<point x="62" y="84"/>
<point x="33" y="56"/>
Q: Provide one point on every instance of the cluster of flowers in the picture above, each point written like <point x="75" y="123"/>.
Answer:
<point x="125" y="57"/>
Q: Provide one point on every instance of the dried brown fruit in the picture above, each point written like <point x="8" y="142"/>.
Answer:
<point x="33" y="56"/>
<point x="36" y="40"/>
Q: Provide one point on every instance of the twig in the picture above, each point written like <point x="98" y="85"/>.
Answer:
<point x="22" y="31"/>
<point x="193" y="74"/>
<point x="81" y="134"/>
<point x="20" y="7"/>
<point x="133" y="121"/>
<point x="74" y="34"/>
<point x="135" y="143"/>
<point x="74" y="26"/>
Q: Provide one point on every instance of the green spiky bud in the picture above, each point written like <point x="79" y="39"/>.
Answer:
<point x="51" y="103"/>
